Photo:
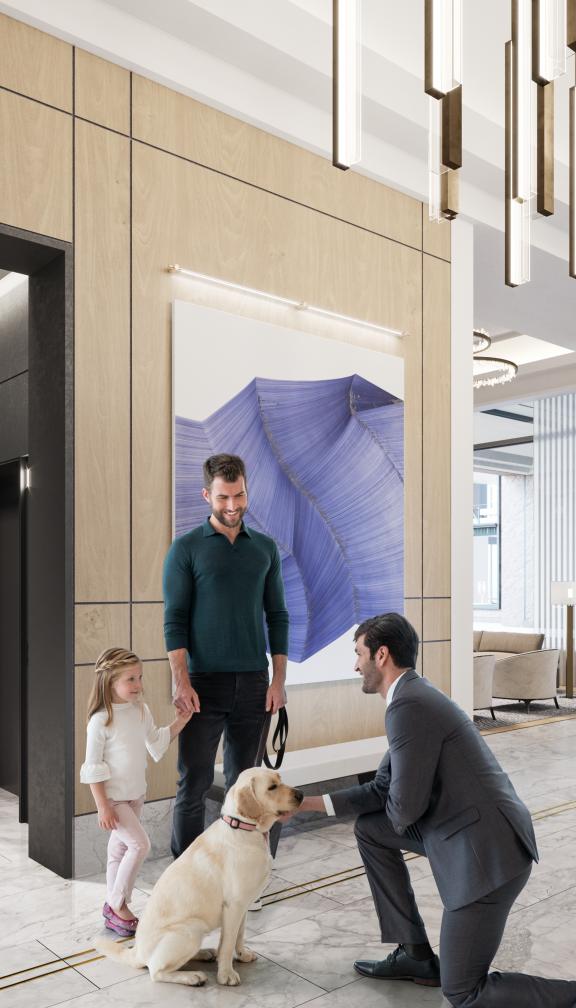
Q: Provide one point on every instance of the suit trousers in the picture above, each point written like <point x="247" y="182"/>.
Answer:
<point x="233" y="703"/>
<point x="469" y="937"/>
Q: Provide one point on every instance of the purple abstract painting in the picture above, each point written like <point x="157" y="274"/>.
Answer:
<point x="325" y="481"/>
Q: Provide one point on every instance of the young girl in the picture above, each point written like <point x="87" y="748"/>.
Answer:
<point x="120" y="730"/>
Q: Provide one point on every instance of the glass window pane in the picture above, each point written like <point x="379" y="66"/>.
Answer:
<point x="486" y="541"/>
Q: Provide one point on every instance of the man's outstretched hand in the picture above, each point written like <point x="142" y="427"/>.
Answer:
<point x="311" y="803"/>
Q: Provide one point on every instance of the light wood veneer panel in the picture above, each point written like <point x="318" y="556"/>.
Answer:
<point x="222" y="227"/>
<point x="436" y="236"/>
<point x="436" y="475"/>
<point x="162" y="776"/>
<point x="98" y="627"/>
<point x="102" y="365"/>
<point x="35" y="167"/>
<point x="177" y="123"/>
<point x="436" y="664"/>
<point x="102" y="92"/>
<point x="35" y="64"/>
<point x="83" y="679"/>
<point x="324" y="713"/>
<point x="147" y="630"/>
<point x="436" y="620"/>
<point x="413" y="613"/>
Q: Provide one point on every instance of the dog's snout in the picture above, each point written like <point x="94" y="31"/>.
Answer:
<point x="298" y="795"/>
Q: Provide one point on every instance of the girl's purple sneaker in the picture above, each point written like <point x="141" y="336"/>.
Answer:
<point x="126" y="932"/>
<point x="109" y="914"/>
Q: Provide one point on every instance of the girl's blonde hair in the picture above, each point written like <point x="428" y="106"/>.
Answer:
<point x="110" y="664"/>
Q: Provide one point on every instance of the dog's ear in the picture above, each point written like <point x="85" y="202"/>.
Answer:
<point x="246" y="802"/>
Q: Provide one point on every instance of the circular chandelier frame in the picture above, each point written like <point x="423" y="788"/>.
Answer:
<point x="481" y="337"/>
<point x="506" y="371"/>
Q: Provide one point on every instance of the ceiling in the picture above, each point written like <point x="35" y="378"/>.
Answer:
<point x="270" y="64"/>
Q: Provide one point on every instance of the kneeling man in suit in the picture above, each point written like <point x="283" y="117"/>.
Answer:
<point x="439" y="792"/>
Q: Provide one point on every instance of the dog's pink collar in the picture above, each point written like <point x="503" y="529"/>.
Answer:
<point x="238" y="823"/>
<point x="242" y="824"/>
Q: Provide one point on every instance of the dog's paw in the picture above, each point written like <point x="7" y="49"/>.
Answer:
<point x="197" y="979"/>
<point x="245" y="955"/>
<point x="191" y="978"/>
<point x="206" y="955"/>
<point x="228" y="977"/>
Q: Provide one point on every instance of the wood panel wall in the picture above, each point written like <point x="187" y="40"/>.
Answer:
<point x="159" y="178"/>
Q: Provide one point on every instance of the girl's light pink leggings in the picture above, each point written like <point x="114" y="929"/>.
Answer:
<point x="127" y="847"/>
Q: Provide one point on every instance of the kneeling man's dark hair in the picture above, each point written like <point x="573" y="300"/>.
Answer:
<point x="394" y="632"/>
<point x="229" y="467"/>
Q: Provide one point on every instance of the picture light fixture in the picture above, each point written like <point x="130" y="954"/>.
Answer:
<point x="290" y="302"/>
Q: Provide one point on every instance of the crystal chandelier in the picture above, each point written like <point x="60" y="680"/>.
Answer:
<point x="498" y="371"/>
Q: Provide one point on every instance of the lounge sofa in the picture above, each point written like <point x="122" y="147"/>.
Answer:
<point x="523" y="670"/>
<point x="484" y="682"/>
<point x="502" y="644"/>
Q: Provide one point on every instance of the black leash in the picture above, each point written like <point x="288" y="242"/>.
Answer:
<point x="279" y="740"/>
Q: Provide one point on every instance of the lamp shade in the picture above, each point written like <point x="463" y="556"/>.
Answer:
<point x="563" y="593"/>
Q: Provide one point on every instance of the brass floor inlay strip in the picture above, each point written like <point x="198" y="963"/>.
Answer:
<point x="535" y="723"/>
<point x="346" y="875"/>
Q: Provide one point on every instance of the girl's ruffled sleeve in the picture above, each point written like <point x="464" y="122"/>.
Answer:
<point x="94" y="768"/>
<point x="157" y="739"/>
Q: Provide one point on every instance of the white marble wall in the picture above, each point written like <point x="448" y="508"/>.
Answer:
<point x="90" y="842"/>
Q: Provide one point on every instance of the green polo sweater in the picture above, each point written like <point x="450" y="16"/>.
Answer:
<point x="216" y="594"/>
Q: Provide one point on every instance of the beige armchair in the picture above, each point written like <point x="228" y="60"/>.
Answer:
<point x="528" y="676"/>
<point x="483" y="677"/>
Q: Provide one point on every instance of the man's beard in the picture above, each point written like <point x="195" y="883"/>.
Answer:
<point x="229" y="522"/>
<point x="371" y="681"/>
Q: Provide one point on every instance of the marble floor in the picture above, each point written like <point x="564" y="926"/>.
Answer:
<point x="317" y="918"/>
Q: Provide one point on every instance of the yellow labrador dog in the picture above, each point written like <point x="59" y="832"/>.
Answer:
<point x="211" y="885"/>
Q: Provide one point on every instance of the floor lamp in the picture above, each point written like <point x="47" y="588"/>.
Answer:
<point x="564" y="593"/>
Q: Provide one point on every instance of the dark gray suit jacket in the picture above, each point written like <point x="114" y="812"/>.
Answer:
<point x="440" y="783"/>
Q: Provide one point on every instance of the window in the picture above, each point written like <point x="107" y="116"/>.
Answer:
<point x="486" y="541"/>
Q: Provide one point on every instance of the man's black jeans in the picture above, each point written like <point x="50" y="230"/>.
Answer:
<point x="230" y="702"/>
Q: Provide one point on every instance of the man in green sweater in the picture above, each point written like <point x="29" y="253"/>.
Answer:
<point x="220" y="580"/>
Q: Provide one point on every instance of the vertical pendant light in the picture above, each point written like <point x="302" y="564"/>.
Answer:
<point x="346" y="83"/>
<point x="548" y="40"/>
<point x="450" y="195"/>
<point x="443" y="46"/>
<point x="549" y="29"/>
<point x="452" y="128"/>
<point x="435" y="167"/>
<point x="517" y="223"/>
<point x="443" y="83"/>
<point x="571" y="24"/>
<point x="545" y="149"/>
<point x="444" y="158"/>
<point x="521" y="55"/>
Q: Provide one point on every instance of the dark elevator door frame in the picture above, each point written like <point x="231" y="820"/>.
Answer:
<point x="49" y="571"/>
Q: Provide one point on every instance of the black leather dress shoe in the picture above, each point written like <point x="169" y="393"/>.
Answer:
<point x="400" y="966"/>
